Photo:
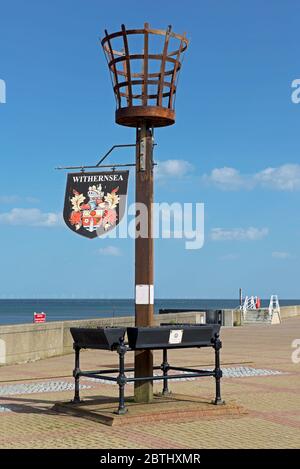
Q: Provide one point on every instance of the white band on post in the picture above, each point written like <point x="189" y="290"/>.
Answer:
<point x="144" y="295"/>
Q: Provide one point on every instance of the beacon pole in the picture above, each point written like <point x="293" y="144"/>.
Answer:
<point x="144" y="308"/>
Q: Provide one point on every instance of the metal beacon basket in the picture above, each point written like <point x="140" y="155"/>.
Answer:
<point x="144" y="83"/>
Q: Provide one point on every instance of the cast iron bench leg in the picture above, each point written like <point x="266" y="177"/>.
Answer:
<point x="76" y="375"/>
<point x="121" y="380"/>
<point x="217" y="371"/>
<point x="165" y="368"/>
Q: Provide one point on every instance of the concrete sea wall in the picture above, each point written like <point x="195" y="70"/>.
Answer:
<point x="289" y="311"/>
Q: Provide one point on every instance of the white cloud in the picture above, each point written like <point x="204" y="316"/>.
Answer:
<point x="30" y="217"/>
<point x="110" y="251"/>
<point x="282" y="178"/>
<point x="8" y="199"/>
<point x="172" y="168"/>
<point x="31" y="200"/>
<point x="12" y="199"/>
<point x="226" y="179"/>
<point x="239" y="234"/>
<point x="280" y="255"/>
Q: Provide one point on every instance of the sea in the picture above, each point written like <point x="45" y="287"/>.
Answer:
<point x="21" y="311"/>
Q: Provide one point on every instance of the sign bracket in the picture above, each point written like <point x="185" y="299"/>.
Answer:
<point x="99" y="165"/>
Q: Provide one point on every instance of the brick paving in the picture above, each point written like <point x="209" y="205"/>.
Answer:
<point x="272" y="402"/>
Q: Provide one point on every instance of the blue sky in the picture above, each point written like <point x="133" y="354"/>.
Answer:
<point x="235" y="121"/>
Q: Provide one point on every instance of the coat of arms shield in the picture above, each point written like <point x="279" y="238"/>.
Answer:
<point x="95" y="202"/>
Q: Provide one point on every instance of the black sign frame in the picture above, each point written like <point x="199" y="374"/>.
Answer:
<point x="95" y="202"/>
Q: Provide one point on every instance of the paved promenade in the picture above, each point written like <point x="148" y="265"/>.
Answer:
<point x="260" y="376"/>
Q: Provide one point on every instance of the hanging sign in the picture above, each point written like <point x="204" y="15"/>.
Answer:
<point x="95" y="202"/>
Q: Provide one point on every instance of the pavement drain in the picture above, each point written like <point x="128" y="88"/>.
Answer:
<point x="32" y="388"/>
<point x="245" y="371"/>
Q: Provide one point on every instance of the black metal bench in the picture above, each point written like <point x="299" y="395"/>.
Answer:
<point x="140" y="338"/>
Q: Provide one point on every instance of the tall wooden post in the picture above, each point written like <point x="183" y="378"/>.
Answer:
<point x="144" y="297"/>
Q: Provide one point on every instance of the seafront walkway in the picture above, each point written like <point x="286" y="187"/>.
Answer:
<point x="259" y="375"/>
